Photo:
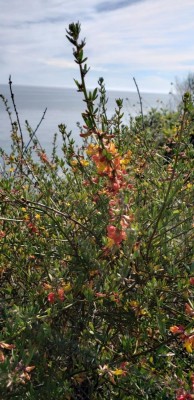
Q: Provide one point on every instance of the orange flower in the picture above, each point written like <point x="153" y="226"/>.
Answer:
<point x="2" y="357"/>
<point x="7" y="346"/>
<point x="102" y="164"/>
<point x="43" y="157"/>
<point x="100" y="295"/>
<point x="117" y="235"/>
<point x="177" y="329"/>
<point x="92" y="149"/>
<point x="111" y="148"/>
<point x="60" y="293"/>
<point x="189" y="310"/>
<point x="47" y="286"/>
<point x="2" y="234"/>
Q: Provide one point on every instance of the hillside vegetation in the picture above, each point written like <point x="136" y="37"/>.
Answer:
<point x="96" y="251"/>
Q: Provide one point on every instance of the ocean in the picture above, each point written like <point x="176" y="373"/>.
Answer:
<point x="64" y="106"/>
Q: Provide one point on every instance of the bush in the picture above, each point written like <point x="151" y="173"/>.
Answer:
<point x="96" y="257"/>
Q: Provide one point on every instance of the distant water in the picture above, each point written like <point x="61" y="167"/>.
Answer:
<point x="63" y="106"/>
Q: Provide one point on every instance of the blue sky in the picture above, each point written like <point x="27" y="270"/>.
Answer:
<point x="151" y="40"/>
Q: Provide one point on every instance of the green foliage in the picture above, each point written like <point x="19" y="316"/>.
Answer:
<point x="186" y="85"/>
<point x="96" y="257"/>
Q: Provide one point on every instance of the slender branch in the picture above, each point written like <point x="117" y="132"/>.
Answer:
<point x="11" y="219"/>
<point x="173" y="227"/>
<point x="180" y="234"/>
<point x="7" y="108"/>
<point x="140" y="102"/>
<point x="166" y="197"/>
<point x="34" y="132"/>
<point x="41" y="206"/>
<point x="31" y="138"/>
<point x="147" y="351"/>
<point x="16" y="112"/>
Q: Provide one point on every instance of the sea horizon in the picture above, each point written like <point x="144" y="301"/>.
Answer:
<point x="64" y="106"/>
<point x="73" y="87"/>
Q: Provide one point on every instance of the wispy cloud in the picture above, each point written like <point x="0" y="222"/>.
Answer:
<point x="112" y="5"/>
<point x="149" y="39"/>
<point x="65" y="64"/>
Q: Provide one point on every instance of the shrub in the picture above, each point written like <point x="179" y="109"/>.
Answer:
<point x="96" y="257"/>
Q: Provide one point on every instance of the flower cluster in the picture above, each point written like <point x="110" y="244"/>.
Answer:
<point x="182" y="394"/>
<point x="186" y="337"/>
<point x="58" y="294"/>
<point x="112" y="166"/>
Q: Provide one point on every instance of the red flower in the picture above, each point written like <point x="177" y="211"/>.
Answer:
<point x="32" y="228"/>
<point x="51" y="297"/>
<point x="191" y="280"/>
<point x="184" y="396"/>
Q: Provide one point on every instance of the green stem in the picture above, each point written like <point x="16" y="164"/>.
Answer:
<point x="166" y="198"/>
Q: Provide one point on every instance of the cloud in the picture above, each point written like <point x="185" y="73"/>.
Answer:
<point x="65" y="64"/>
<point x="47" y="20"/>
<point x="143" y="38"/>
<point x="60" y="63"/>
<point x="112" y="5"/>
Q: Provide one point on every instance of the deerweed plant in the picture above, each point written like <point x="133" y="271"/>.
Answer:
<point x="96" y="256"/>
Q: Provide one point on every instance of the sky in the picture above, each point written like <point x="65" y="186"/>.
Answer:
<point x="151" y="40"/>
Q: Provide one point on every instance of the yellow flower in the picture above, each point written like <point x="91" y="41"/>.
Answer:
<point x="67" y="287"/>
<point x="84" y="163"/>
<point x="189" y="344"/>
<point x="111" y="148"/>
<point x="101" y="167"/>
<point x="134" y="303"/>
<point x="74" y="162"/>
<point x="189" y="186"/>
<point x="118" y="372"/>
<point x="127" y="158"/>
<point x="110" y="242"/>
<point x="37" y="216"/>
<point x="125" y="161"/>
<point x="92" y="149"/>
